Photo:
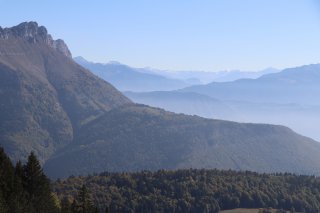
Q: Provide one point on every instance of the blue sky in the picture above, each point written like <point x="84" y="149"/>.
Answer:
<point x="207" y="35"/>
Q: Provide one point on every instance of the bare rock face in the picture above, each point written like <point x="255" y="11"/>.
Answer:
<point x="33" y="33"/>
<point x="61" y="47"/>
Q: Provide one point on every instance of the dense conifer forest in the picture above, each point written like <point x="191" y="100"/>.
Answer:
<point x="26" y="189"/>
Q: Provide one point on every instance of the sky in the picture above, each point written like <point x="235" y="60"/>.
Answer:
<point x="208" y="35"/>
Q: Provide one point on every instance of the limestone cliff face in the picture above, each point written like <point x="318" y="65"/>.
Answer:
<point x="33" y="33"/>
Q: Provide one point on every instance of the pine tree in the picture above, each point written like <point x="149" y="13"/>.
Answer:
<point x="6" y="175"/>
<point x="37" y="186"/>
<point x="18" y="199"/>
<point x="6" y="181"/>
<point x="34" y="178"/>
<point x="85" y="202"/>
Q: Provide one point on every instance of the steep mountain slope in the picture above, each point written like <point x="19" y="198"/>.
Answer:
<point x="126" y="78"/>
<point x="139" y="137"/>
<point x="77" y="123"/>
<point x="44" y="95"/>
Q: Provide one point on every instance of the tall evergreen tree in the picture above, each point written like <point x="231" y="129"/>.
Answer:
<point x="18" y="199"/>
<point x="85" y="201"/>
<point x="6" y="181"/>
<point x="25" y="189"/>
<point x="38" y="187"/>
<point x="6" y="175"/>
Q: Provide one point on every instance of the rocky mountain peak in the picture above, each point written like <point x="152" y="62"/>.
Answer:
<point x="33" y="33"/>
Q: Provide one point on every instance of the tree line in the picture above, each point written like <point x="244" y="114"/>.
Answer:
<point x="192" y="190"/>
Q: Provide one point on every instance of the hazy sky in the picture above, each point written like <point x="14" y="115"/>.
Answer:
<point x="180" y="34"/>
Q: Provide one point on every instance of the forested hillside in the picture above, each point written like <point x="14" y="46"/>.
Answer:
<point x="196" y="191"/>
<point x="139" y="137"/>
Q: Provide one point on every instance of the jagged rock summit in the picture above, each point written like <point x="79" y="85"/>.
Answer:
<point x="34" y="33"/>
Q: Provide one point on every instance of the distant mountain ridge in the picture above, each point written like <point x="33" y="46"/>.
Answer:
<point x="126" y="78"/>
<point x="287" y="98"/>
<point x="205" y="77"/>
<point x="77" y="123"/>
<point x="293" y="85"/>
<point x="189" y="103"/>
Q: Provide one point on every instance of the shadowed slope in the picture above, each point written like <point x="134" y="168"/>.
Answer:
<point x="139" y="137"/>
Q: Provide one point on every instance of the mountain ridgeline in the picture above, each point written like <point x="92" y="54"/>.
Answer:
<point x="294" y="85"/>
<point x="77" y="123"/>
<point x="284" y="98"/>
<point x="136" y="137"/>
<point x="126" y="78"/>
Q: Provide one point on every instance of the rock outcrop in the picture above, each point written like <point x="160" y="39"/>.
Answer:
<point x="34" y="33"/>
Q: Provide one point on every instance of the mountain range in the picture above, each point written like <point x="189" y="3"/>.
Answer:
<point x="286" y="98"/>
<point x="294" y="85"/>
<point x="126" y="78"/>
<point x="205" y="77"/>
<point x="77" y="123"/>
